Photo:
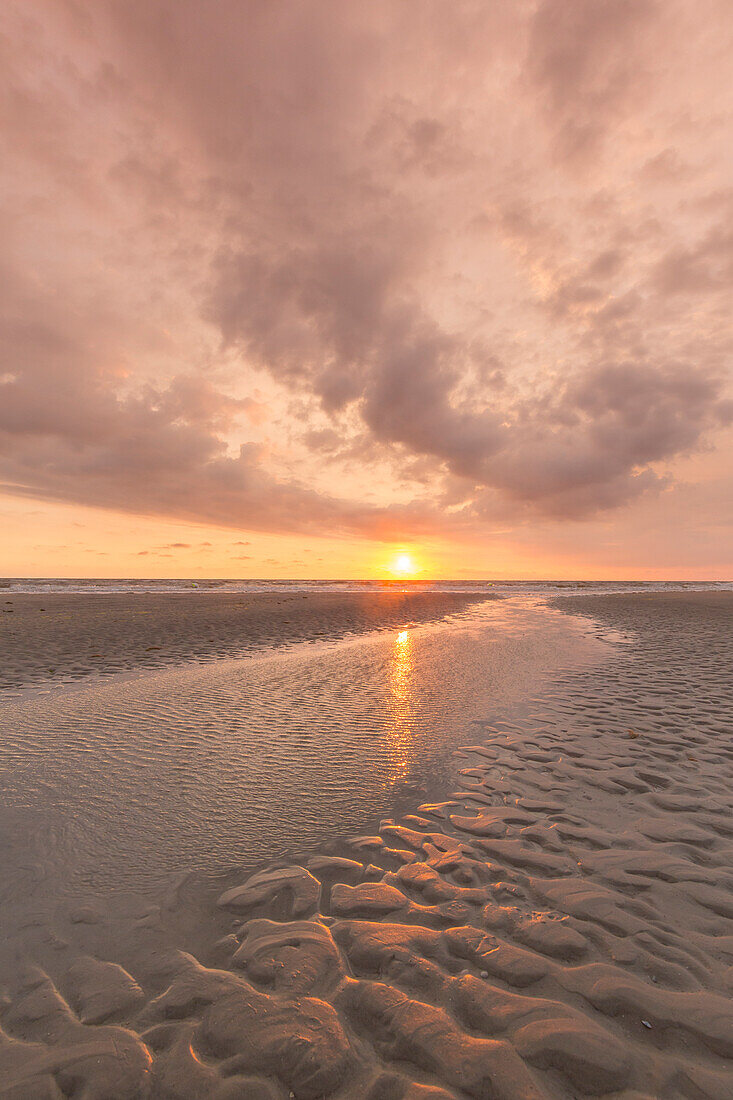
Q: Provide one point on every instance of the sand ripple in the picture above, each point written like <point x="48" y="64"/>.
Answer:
<point x="560" y="927"/>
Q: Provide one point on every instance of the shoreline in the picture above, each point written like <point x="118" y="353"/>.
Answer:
<point x="65" y="638"/>
<point x="556" y="926"/>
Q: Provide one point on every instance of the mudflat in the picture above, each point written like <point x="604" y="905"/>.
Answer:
<point x="557" y="925"/>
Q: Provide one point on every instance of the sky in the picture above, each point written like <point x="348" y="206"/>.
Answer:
<point x="293" y="289"/>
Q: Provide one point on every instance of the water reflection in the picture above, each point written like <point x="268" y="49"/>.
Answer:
<point x="402" y="706"/>
<point x="248" y="760"/>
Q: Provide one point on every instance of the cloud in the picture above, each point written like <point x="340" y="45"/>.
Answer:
<point x="70" y="431"/>
<point x="362" y="269"/>
<point x="587" y="60"/>
<point x="701" y="268"/>
<point x="595" y="444"/>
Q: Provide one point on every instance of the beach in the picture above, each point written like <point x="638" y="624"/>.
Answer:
<point x="543" y="911"/>
<point x="61" y="636"/>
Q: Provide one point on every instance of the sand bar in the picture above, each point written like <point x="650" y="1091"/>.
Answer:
<point x="66" y="637"/>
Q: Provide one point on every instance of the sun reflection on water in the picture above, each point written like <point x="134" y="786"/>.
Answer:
<point x="402" y="705"/>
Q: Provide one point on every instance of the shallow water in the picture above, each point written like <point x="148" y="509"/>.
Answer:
<point x="123" y="783"/>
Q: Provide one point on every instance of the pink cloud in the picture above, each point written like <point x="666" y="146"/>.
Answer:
<point x="485" y="246"/>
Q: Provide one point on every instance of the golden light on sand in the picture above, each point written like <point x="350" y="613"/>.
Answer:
<point x="401" y="701"/>
<point x="403" y="565"/>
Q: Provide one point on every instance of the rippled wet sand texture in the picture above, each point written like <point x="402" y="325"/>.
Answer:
<point x="558" y="926"/>
<point x="61" y="638"/>
<point x="232" y="763"/>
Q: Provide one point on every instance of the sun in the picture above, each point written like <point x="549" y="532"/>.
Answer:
<point x="403" y="566"/>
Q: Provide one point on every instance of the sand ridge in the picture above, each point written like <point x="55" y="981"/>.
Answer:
<point x="559" y="926"/>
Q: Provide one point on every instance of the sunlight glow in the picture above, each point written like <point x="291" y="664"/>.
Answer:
<point x="402" y="706"/>
<point x="403" y="566"/>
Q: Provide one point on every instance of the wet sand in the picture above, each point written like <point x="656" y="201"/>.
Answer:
<point x="558" y="925"/>
<point x="65" y="637"/>
<point x="228" y="763"/>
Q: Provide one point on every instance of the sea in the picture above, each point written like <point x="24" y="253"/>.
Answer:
<point x="121" y="585"/>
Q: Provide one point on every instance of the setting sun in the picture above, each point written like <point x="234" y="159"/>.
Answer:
<point x="403" y="566"/>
